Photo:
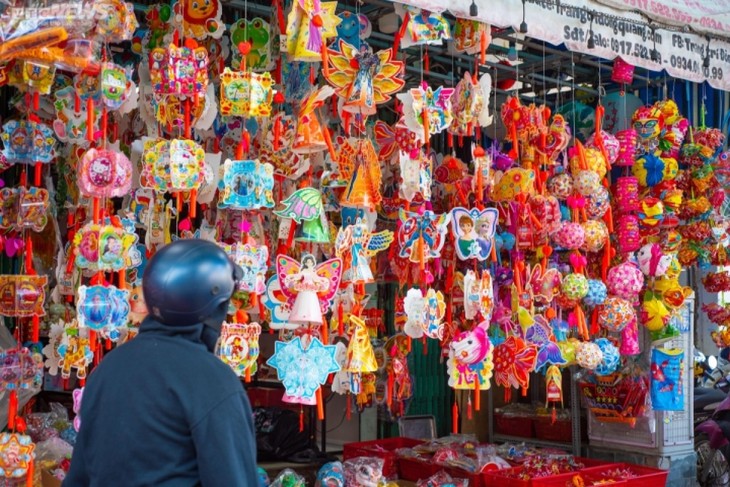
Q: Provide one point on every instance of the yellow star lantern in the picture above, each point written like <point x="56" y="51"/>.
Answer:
<point x="16" y="455"/>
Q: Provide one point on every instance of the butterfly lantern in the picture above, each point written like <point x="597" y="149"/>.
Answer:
<point x="421" y="237"/>
<point x="470" y="102"/>
<point x="308" y="287"/>
<point x="363" y="79"/>
<point x="474" y="232"/>
<point x="427" y="111"/>
<point x="355" y="244"/>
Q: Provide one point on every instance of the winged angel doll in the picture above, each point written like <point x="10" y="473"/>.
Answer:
<point x="309" y="288"/>
<point x="357" y="244"/>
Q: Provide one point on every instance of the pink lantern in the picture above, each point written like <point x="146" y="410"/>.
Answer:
<point x="627" y="233"/>
<point x="622" y="72"/>
<point x="628" y="141"/>
<point x="627" y="194"/>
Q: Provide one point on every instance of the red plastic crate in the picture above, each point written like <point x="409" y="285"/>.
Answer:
<point x="384" y="449"/>
<point x="648" y="476"/>
<point x="475" y="479"/>
<point x="566" y="480"/>
<point x="502" y="478"/>
<point x="545" y="429"/>
<point x="514" y="425"/>
<point x="414" y="470"/>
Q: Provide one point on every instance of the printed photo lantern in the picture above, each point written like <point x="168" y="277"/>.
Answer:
<point x="421" y="237"/>
<point x="239" y="347"/>
<point x="252" y="258"/>
<point x="474" y="232"/>
<point x="106" y="248"/>
<point x="246" y="94"/>
<point x="311" y="23"/>
<point x="28" y="142"/>
<point x="247" y="185"/>
<point x="308" y="287"/>
<point x="23" y="209"/>
<point x="101" y="307"/>
<point x="425" y="314"/>
<point x="104" y="174"/>
<point x="22" y="296"/>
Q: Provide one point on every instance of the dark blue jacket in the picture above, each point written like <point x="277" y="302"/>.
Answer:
<point x="163" y="411"/>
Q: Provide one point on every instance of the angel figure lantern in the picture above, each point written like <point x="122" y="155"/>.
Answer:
<point x="355" y="244"/>
<point x="309" y="287"/>
<point x="363" y="79"/>
<point x="310" y="24"/>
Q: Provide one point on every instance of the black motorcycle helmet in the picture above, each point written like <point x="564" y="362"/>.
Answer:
<point x="188" y="282"/>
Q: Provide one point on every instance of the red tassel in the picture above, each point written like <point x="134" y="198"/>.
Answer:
<point x="455" y="418"/>
<point x="29" y="257"/>
<point x="507" y="394"/>
<point x="401" y="32"/>
<point x="29" y="479"/>
<point x="391" y="384"/>
<point x="477" y="394"/>
<point x="469" y="413"/>
<point x="36" y="329"/>
<point x="426" y="61"/>
<point x="36" y="101"/>
<point x="594" y="322"/>
<point x="320" y="405"/>
<point x="553" y="416"/>
<point x="187" y="118"/>
<point x="301" y="419"/>
<point x="12" y="409"/>
<point x="340" y="321"/>
<point x="38" y="173"/>
<point x="348" y="406"/>
<point x="90" y="120"/>
<point x="424" y="345"/>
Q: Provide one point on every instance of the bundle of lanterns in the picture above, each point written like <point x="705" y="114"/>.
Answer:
<point x="549" y="254"/>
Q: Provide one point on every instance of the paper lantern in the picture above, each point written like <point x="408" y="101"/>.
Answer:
<point x="597" y="293"/>
<point x="622" y="72"/>
<point x="615" y="314"/>
<point x="588" y="355"/>
<point x="611" y="357"/>
<point x="627" y="194"/>
<point x="560" y="186"/>
<point x="596" y="235"/>
<point x="586" y="182"/>
<point x="628" y="141"/>
<point x="625" y="281"/>
<point x="569" y="236"/>
<point x="574" y="286"/>
<point x="598" y="203"/>
<point x="628" y="235"/>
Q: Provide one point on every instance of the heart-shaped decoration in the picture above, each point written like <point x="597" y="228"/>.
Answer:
<point x="12" y="246"/>
<point x="578" y="261"/>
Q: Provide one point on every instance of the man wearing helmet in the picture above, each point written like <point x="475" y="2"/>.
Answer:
<point x="163" y="410"/>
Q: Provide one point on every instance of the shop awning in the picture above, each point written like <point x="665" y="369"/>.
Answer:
<point x="696" y="50"/>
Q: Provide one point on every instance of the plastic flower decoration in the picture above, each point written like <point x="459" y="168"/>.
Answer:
<point x="363" y="79"/>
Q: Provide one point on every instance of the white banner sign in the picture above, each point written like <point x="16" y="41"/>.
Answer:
<point x="616" y="33"/>
<point x="707" y="16"/>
